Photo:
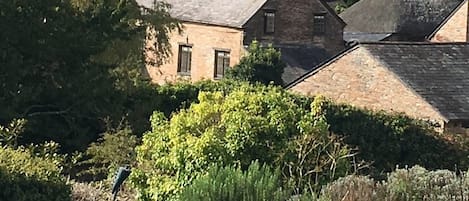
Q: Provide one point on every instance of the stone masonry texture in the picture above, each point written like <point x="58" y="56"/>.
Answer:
<point x="204" y="39"/>
<point x="294" y="25"/>
<point x="359" y="79"/>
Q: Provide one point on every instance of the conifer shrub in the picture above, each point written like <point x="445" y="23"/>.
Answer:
<point x="257" y="183"/>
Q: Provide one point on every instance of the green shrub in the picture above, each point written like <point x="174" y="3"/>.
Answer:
<point x="115" y="148"/>
<point x="352" y="188"/>
<point x="27" y="177"/>
<point x="389" y="140"/>
<point x="262" y="64"/>
<point x="167" y="99"/>
<point x="417" y="183"/>
<point x="250" y="123"/>
<point x="316" y="156"/>
<point x="412" y="184"/>
<point x="257" y="183"/>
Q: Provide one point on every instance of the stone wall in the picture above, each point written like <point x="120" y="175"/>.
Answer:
<point x="204" y="39"/>
<point x="294" y="25"/>
<point x="357" y="78"/>
<point x="456" y="29"/>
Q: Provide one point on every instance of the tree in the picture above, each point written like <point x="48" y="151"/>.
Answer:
<point x="54" y="72"/>
<point x="262" y="64"/>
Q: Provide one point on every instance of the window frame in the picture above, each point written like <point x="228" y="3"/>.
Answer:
<point x="319" y="23"/>
<point x="184" y="49"/>
<point x="225" y="62"/>
<point x="269" y="15"/>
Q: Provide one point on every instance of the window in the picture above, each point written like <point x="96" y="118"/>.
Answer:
<point x="222" y="62"/>
<point x="184" y="60"/>
<point x="269" y="22"/>
<point x="319" y="24"/>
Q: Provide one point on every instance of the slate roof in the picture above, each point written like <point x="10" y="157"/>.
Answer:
<point x="438" y="72"/>
<point x="414" y="19"/>
<point x="231" y="13"/>
<point x="300" y="60"/>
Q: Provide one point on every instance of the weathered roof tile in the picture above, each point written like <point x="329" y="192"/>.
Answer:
<point x="231" y="13"/>
<point x="413" y="19"/>
<point x="437" y="72"/>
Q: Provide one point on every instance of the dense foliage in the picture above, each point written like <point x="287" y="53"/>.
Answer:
<point x="24" y="176"/>
<point x="257" y="183"/>
<point x="250" y="123"/>
<point x="66" y="77"/>
<point x="389" y="140"/>
<point x="262" y="64"/>
<point x="115" y="148"/>
<point x="32" y="172"/>
<point x="56" y="68"/>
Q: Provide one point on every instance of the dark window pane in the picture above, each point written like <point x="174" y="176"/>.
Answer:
<point x="184" y="59"/>
<point x="319" y="24"/>
<point x="222" y="62"/>
<point x="269" y="20"/>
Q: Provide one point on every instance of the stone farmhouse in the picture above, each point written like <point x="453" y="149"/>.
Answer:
<point x="424" y="80"/>
<point x="407" y="20"/>
<point x="216" y="34"/>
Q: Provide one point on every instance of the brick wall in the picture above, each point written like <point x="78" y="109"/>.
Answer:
<point x="294" y="25"/>
<point x="359" y="79"/>
<point x="456" y="28"/>
<point x="205" y="39"/>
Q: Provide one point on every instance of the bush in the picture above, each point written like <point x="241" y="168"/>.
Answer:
<point x="167" y="99"/>
<point x="411" y="184"/>
<point x="417" y="183"/>
<point x="258" y="183"/>
<point x="115" y="148"/>
<point x="250" y="123"/>
<point x="351" y="188"/>
<point x="389" y="140"/>
<point x="315" y="157"/>
<point x="262" y="64"/>
<point x="26" y="177"/>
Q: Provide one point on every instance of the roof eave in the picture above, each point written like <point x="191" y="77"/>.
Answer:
<point x="210" y="23"/>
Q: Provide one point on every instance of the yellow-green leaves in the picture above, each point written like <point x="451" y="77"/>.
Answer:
<point x="250" y="123"/>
